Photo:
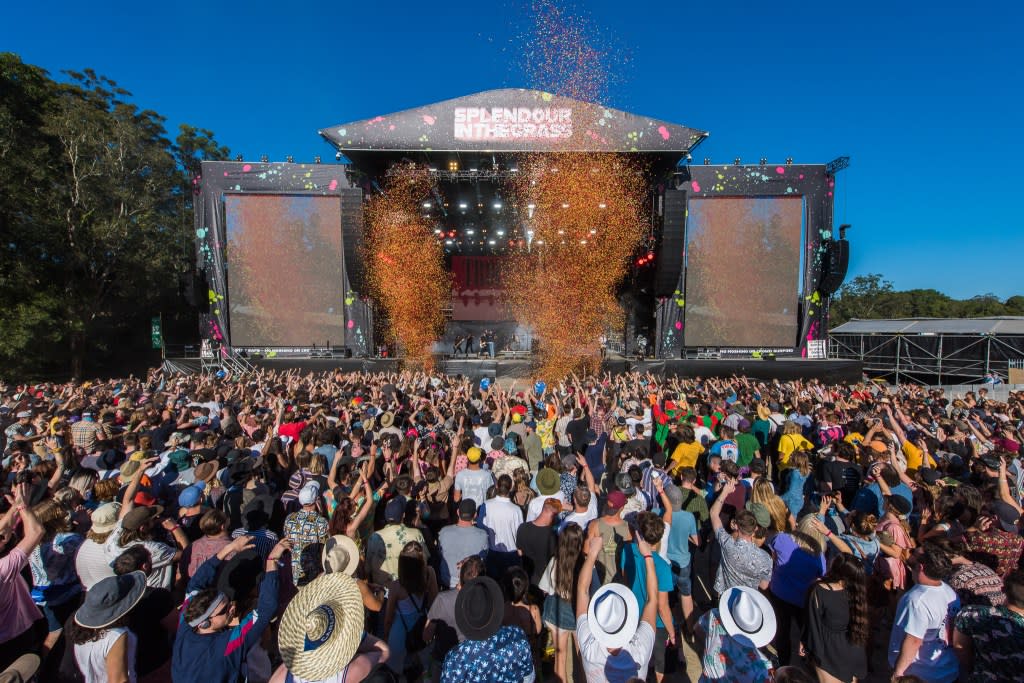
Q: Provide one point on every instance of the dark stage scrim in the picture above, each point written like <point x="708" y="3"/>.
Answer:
<point x="742" y="271"/>
<point x="285" y="272"/>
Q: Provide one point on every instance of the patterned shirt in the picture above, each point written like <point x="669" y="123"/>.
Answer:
<point x="997" y="633"/>
<point x="85" y="433"/>
<point x="503" y="658"/>
<point x="303" y="528"/>
<point x="384" y="547"/>
<point x="727" y="659"/>
<point x="742" y="564"/>
<point x="977" y="584"/>
<point x="1003" y="547"/>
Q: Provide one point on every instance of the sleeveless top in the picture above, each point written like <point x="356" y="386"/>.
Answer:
<point x="91" y="657"/>
<point x="613" y="537"/>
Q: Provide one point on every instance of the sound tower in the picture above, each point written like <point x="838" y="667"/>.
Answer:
<point x="833" y="271"/>
<point x="352" y="237"/>
<point x="673" y="242"/>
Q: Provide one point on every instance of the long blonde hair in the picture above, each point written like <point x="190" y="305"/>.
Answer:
<point x="800" y="461"/>
<point x="777" y="509"/>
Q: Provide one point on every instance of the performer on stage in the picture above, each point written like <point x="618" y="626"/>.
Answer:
<point x="457" y="346"/>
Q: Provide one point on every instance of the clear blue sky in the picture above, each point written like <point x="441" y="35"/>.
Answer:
<point x="925" y="97"/>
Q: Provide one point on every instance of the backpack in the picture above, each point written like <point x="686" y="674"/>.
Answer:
<point x="414" y="641"/>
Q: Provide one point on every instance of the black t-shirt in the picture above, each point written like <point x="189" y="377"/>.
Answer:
<point x="845" y="477"/>
<point x="154" y="646"/>
<point x="576" y="430"/>
<point x="160" y="434"/>
<point x="537" y="544"/>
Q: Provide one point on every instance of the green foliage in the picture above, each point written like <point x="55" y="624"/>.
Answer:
<point x="95" y="217"/>
<point x="870" y="296"/>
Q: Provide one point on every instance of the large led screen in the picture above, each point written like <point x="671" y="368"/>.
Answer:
<point x="742" y="271"/>
<point x="285" y="273"/>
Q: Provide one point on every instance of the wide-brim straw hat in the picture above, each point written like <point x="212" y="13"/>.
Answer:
<point x="341" y="555"/>
<point x="322" y="627"/>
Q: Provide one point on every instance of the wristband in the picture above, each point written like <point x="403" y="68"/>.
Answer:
<point x="648" y="557"/>
<point x="828" y="534"/>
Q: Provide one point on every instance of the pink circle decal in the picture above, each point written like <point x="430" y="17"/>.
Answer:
<point x="246" y="168"/>
<point x="695" y="185"/>
<point x="679" y="325"/>
<point x="351" y="324"/>
<point x="780" y="170"/>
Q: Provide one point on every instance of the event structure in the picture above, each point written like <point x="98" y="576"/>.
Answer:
<point x="738" y="261"/>
<point x="933" y="350"/>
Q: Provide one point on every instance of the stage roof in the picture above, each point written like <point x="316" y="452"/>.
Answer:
<point x="1000" y="325"/>
<point x="514" y="120"/>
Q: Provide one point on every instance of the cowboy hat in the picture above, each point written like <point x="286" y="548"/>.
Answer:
<point x="613" y="615"/>
<point x="387" y="419"/>
<point x="480" y="608"/>
<point x="340" y="555"/>
<point x="321" y="628"/>
<point x="747" y="616"/>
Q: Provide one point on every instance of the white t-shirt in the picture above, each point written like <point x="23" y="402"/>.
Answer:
<point x="162" y="575"/>
<point x="537" y="504"/>
<point x="501" y="518"/>
<point x="925" y="612"/>
<point x="581" y="518"/>
<point x="91" y="657"/>
<point x="92" y="563"/>
<point x="474" y="484"/>
<point x="602" y="666"/>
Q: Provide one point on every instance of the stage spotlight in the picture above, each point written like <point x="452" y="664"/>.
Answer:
<point x="264" y="158"/>
<point x="736" y="161"/>
<point x="689" y="157"/>
<point x="470" y="231"/>
<point x="565" y="205"/>
<point x="501" y="233"/>
<point x="290" y="159"/>
<point x="463" y="205"/>
<point x="316" y="159"/>
<point x="238" y="157"/>
<point x="707" y="162"/>
<point x="491" y="242"/>
<point x="449" y="242"/>
<point x="602" y="205"/>
<point x="789" y="161"/>
<point x="497" y="205"/>
<point x="763" y="161"/>
<point x="531" y="206"/>
<point x="427" y="205"/>
<point x="453" y="166"/>
<point x="337" y="156"/>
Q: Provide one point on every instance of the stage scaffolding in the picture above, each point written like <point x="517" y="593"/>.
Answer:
<point x="932" y="350"/>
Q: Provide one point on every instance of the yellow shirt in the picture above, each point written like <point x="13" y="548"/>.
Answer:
<point x="914" y="458"/>
<point x="789" y="444"/>
<point x="686" y="454"/>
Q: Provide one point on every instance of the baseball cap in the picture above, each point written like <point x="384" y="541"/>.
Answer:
<point x="309" y="493"/>
<point x="616" y="499"/>
<point x="394" y="511"/>
<point x="191" y="495"/>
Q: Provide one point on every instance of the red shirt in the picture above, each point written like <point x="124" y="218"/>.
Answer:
<point x="291" y="429"/>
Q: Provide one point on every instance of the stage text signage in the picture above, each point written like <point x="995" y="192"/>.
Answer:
<point x="515" y="123"/>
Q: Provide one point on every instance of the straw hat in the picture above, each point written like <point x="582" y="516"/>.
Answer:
<point x="322" y="627"/>
<point x="747" y="616"/>
<point x="104" y="518"/>
<point x="763" y="412"/>
<point x="613" y="615"/>
<point x="341" y="555"/>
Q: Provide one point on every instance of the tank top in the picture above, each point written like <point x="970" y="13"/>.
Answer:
<point x="92" y="657"/>
<point x="613" y="537"/>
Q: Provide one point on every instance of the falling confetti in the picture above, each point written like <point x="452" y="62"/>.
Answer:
<point x="407" y="274"/>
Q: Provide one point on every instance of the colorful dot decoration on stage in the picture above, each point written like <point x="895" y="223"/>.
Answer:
<point x="407" y="274"/>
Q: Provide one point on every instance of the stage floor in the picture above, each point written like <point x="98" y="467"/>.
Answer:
<point x="833" y="371"/>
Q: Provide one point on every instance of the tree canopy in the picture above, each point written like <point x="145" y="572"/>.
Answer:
<point x="871" y="296"/>
<point x="95" y="218"/>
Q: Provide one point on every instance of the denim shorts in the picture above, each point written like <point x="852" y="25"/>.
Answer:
<point x="559" y="613"/>
<point x="681" y="579"/>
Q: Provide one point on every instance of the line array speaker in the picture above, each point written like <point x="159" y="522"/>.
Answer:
<point x="669" y="264"/>
<point x="837" y="260"/>
<point x="352" y="236"/>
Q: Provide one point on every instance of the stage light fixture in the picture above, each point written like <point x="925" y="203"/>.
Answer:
<point x="789" y="161"/>
<point x="707" y="162"/>
<point x="530" y="233"/>
<point x="337" y="156"/>
<point x="602" y="205"/>
<point x="497" y="205"/>
<point x="583" y="241"/>
<point x="449" y="242"/>
<point x="540" y="241"/>
<point x="438" y="231"/>
<point x="264" y="158"/>
<point x="565" y="205"/>
<point x="463" y="205"/>
<point x="290" y="159"/>
<point x="736" y="161"/>
<point x="453" y="166"/>
<point x="470" y="231"/>
<point x="561" y="232"/>
<point x="238" y="157"/>
<point x="593" y="231"/>
<point x="501" y="233"/>
<point x="763" y="161"/>
<point x="426" y="205"/>
<point x="491" y="242"/>
<point x="316" y="159"/>
<point x="531" y="206"/>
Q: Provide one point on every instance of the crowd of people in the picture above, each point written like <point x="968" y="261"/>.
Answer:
<point x="400" y="527"/>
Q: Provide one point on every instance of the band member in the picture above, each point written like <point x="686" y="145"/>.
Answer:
<point x="457" y="346"/>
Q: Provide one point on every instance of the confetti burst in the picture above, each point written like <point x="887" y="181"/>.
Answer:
<point x="588" y="219"/>
<point x="407" y="274"/>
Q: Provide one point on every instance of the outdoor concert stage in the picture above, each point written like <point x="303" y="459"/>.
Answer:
<point x="783" y="369"/>
<point x="739" y="260"/>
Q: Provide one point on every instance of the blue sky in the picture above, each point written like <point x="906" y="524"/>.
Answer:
<point x="925" y="98"/>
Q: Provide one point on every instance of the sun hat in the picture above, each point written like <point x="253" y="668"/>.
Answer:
<point x="340" y="555"/>
<point x="129" y="468"/>
<point x="110" y="599"/>
<point x="205" y="471"/>
<point x="239" y="577"/>
<point x="139" y="515"/>
<point x="104" y="518"/>
<point x="321" y="628"/>
<point x="548" y="481"/>
<point x="257" y="512"/>
<point x="878" y="447"/>
<point x="309" y="493"/>
<point x="497" y="443"/>
<point x="747" y="616"/>
<point x="474" y="454"/>
<point x="386" y="420"/>
<point x="625" y="483"/>
<point x="901" y="505"/>
<point x="21" y="669"/>
<point x="191" y="496"/>
<point x="613" y="615"/>
<point x="479" y="608"/>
